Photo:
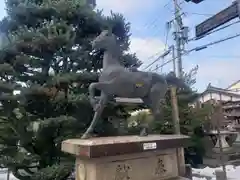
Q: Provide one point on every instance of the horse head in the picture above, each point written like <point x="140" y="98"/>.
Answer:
<point x="105" y="40"/>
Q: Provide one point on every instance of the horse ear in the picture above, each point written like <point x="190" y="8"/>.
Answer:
<point x="172" y="74"/>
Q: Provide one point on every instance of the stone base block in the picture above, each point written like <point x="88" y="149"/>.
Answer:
<point x="158" y="165"/>
<point x="128" y="158"/>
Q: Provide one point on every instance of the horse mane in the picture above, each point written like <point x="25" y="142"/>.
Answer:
<point x="117" y="47"/>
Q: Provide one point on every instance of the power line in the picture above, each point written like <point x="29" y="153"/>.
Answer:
<point x="153" y="56"/>
<point x="197" y="49"/>
<point x="213" y="43"/>
<point x="169" y="61"/>
<point x="155" y="19"/>
<point x="156" y="60"/>
<point x="165" y="47"/>
<point x="222" y="56"/>
<point x="177" y="33"/>
<point x="148" y="25"/>
<point x="201" y="14"/>
<point x="166" y="42"/>
<point x="153" y="24"/>
<point x="154" y="27"/>
<point x="167" y="34"/>
<point x="164" y="64"/>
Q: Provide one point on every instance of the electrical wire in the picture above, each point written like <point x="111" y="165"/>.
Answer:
<point x="153" y="56"/>
<point x="166" y="40"/>
<point x="197" y="49"/>
<point x="213" y="43"/>
<point x="156" y="60"/>
<point x="167" y="62"/>
<point x="165" y="51"/>
<point x="222" y="56"/>
<point x="201" y="14"/>
<point x="165" y="46"/>
<point x="153" y="24"/>
<point x="156" y="18"/>
<point x="147" y="24"/>
<point x="148" y="41"/>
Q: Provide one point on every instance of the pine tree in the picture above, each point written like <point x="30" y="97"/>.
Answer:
<point x="187" y="114"/>
<point x="46" y="65"/>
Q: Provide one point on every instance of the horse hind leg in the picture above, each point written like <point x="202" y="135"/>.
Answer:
<point x="145" y="125"/>
<point x="157" y="96"/>
<point x="154" y="102"/>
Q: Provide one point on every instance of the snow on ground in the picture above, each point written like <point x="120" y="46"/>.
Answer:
<point x="3" y="175"/>
<point x="233" y="173"/>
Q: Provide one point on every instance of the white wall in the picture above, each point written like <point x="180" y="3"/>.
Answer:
<point x="215" y="96"/>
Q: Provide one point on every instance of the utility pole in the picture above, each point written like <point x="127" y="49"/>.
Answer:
<point x="177" y="37"/>
<point x="176" y="121"/>
<point x="174" y="103"/>
<point x="180" y="36"/>
<point x="174" y="59"/>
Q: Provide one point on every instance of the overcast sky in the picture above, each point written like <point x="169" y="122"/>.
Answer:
<point x="218" y="64"/>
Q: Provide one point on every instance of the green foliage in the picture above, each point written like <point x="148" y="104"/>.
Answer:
<point x="47" y="57"/>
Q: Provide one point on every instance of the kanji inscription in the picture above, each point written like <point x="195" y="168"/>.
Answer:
<point x="122" y="172"/>
<point x="160" y="169"/>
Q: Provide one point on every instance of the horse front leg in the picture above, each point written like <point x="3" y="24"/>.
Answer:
<point x="97" y="115"/>
<point x="101" y="86"/>
<point x="91" y="90"/>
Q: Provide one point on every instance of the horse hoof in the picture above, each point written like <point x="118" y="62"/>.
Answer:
<point x="96" y="107"/>
<point x="143" y="133"/>
<point x="85" y="136"/>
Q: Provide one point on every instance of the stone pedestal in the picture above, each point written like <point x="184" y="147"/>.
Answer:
<point x="155" y="157"/>
<point x="237" y="141"/>
<point x="220" y="175"/>
<point x="222" y="137"/>
<point x="230" y="154"/>
<point x="225" y="145"/>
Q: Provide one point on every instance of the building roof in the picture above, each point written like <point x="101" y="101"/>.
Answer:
<point x="211" y="88"/>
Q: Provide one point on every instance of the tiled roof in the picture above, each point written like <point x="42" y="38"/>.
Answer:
<point x="211" y="88"/>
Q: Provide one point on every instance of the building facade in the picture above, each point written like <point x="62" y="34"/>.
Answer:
<point x="230" y="98"/>
<point x="232" y="93"/>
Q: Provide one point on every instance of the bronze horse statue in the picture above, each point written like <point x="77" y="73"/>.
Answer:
<point x="116" y="80"/>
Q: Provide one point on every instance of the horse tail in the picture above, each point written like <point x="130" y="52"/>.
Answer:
<point x="172" y="80"/>
<point x="157" y="78"/>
